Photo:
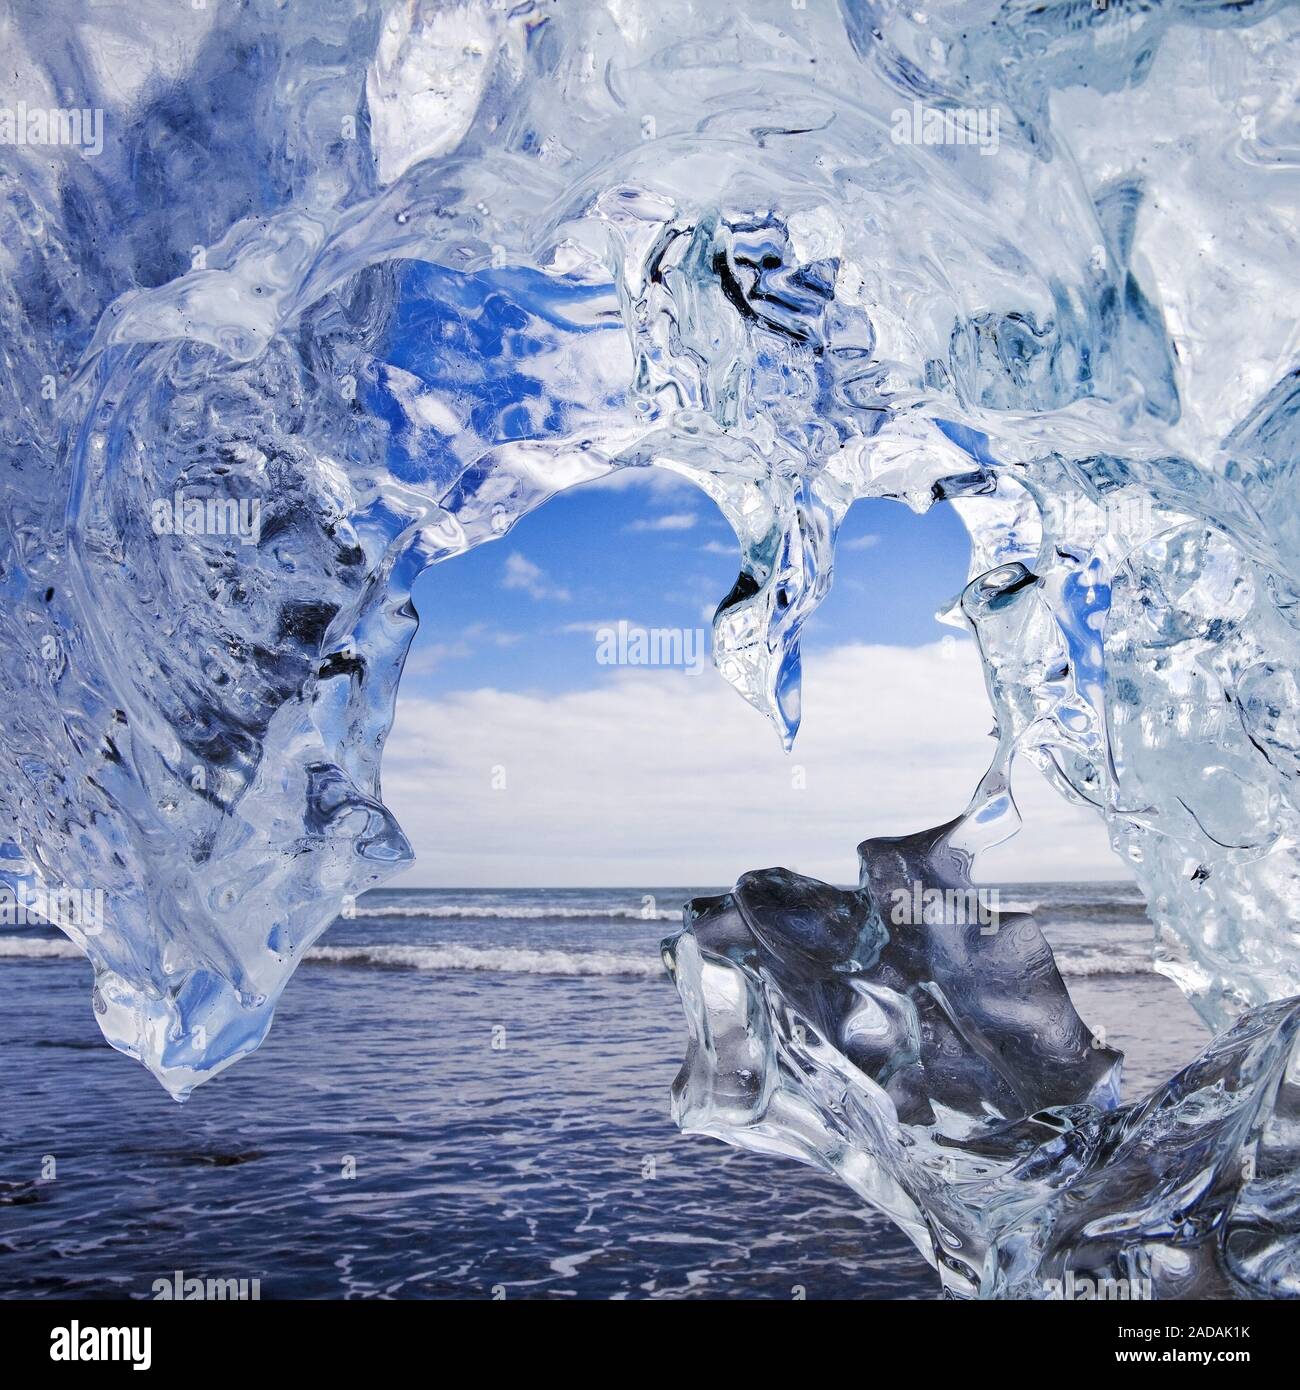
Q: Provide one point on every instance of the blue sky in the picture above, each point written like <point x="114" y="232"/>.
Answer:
<point x="518" y="759"/>
<point x="518" y="613"/>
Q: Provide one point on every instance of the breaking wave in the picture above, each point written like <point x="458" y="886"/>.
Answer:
<point x="514" y="960"/>
<point x="518" y="960"/>
<point x="1095" y="965"/>
<point x="38" y="948"/>
<point x="448" y="912"/>
<point x="501" y="959"/>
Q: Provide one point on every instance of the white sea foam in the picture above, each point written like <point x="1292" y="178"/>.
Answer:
<point x="514" y="960"/>
<point x="1093" y="964"/>
<point x="37" y="948"/>
<point x="506" y="959"/>
<point x="452" y="912"/>
<point x="520" y="960"/>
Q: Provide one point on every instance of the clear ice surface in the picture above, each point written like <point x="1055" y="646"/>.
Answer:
<point x="379" y="279"/>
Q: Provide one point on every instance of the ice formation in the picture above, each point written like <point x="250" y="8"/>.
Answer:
<point x="300" y="300"/>
<point x="938" y="1067"/>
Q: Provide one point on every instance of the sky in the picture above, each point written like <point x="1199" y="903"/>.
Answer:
<point x="517" y="759"/>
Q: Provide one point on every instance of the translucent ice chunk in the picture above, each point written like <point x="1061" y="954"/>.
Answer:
<point x="926" y="1052"/>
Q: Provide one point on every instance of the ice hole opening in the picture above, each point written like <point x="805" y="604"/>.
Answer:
<point x="571" y="721"/>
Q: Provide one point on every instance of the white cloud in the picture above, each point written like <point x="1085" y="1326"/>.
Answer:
<point x="521" y="573"/>
<point x="432" y="656"/>
<point x="652" y="778"/>
<point x="492" y="635"/>
<point x="669" y="521"/>
<point x="859" y="543"/>
<point x="587" y="628"/>
<point x="427" y="657"/>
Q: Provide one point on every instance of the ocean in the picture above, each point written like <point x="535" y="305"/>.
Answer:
<point x="464" y="1095"/>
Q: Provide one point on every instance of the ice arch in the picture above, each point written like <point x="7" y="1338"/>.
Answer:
<point x="808" y="308"/>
